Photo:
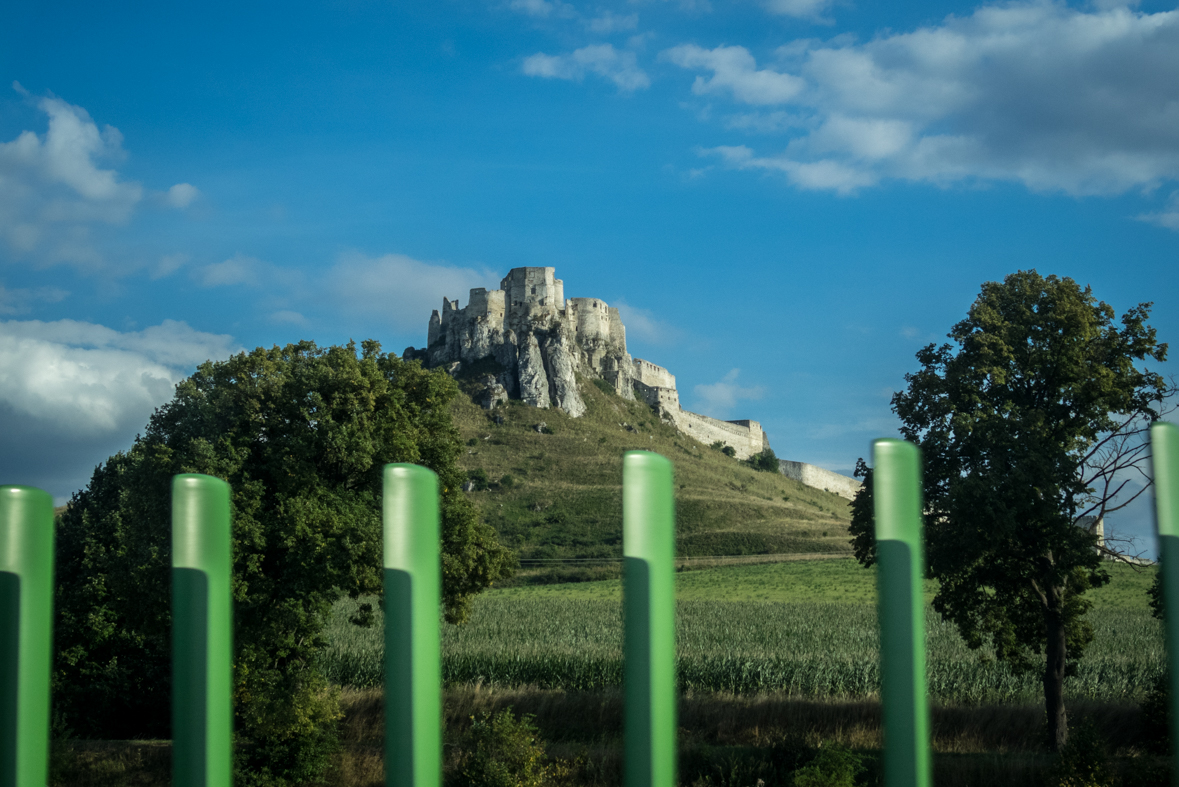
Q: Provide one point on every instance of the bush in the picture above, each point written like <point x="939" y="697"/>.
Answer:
<point x="729" y="450"/>
<point x="1083" y="761"/>
<point x="479" y="476"/>
<point x="834" y="766"/>
<point x="502" y="751"/>
<point x="765" y="462"/>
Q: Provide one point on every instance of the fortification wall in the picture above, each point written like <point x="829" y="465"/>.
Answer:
<point x="819" y="478"/>
<point x="746" y="438"/>
<point x="617" y="331"/>
<point x="486" y="303"/>
<point x="654" y="376"/>
<point x="666" y="401"/>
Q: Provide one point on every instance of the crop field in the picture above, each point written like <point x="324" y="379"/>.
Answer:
<point x="805" y="628"/>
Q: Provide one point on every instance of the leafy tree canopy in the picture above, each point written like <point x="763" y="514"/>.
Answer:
<point x="301" y="434"/>
<point x="1021" y="422"/>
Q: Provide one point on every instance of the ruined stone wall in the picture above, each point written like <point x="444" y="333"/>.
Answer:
<point x="746" y="438"/>
<point x="528" y="288"/>
<point x="590" y="317"/>
<point x="654" y="376"/>
<point x="666" y="401"/>
<point x="820" y="479"/>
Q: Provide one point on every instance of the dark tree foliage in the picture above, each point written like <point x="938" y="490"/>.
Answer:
<point x="1022" y="425"/>
<point x="765" y="461"/>
<point x="301" y="434"/>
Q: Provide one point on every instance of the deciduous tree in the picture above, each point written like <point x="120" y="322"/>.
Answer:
<point x="1028" y="422"/>
<point x="301" y="434"/>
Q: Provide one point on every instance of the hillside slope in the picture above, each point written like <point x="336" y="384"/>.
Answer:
<point x="557" y="494"/>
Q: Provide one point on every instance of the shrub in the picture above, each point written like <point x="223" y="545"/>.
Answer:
<point x="1083" y="761"/>
<point x="729" y="450"/>
<point x="765" y="462"/>
<point x="479" y="476"/>
<point x="834" y="766"/>
<point x="502" y="751"/>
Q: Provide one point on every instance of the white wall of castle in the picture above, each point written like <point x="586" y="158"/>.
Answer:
<point x="820" y="478"/>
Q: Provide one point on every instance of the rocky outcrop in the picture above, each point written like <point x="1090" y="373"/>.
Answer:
<point x="534" y="382"/>
<point x="542" y="342"/>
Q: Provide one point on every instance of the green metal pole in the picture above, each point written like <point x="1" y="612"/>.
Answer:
<point x="896" y="485"/>
<point x="1164" y="457"/>
<point x="413" y="684"/>
<point x="648" y="549"/>
<point x="26" y="634"/>
<point x="202" y="633"/>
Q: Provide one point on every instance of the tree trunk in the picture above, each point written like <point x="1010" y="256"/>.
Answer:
<point x="1057" y="652"/>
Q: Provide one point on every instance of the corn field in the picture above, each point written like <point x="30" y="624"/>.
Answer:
<point x="804" y="649"/>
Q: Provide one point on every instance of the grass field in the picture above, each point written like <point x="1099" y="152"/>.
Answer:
<point x="806" y="628"/>
<point x="559" y="494"/>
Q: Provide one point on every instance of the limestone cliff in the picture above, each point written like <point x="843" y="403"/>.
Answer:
<point x="542" y="342"/>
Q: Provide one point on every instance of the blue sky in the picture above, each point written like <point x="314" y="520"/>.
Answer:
<point x="787" y="198"/>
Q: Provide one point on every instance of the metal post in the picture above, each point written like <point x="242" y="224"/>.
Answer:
<point x="648" y="548"/>
<point x="26" y="633"/>
<point x="202" y="633"/>
<point x="896" y="486"/>
<point x="413" y="686"/>
<point x="1164" y="458"/>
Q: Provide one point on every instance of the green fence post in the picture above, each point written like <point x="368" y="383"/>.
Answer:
<point x="202" y="633"/>
<point x="1164" y="459"/>
<point x="896" y="489"/>
<point x="26" y="634"/>
<point x="413" y="685"/>
<point x="648" y="549"/>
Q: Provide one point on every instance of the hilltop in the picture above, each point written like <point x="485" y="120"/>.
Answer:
<point x="551" y="484"/>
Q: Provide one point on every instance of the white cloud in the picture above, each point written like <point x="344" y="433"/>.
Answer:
<point x="20" y="300"/>
<point x="610" y="22"/>
<point x="52" y="187"/>
<point x="620" y="67"/>
<point x="181" y="195"/>
<point x="719" y="398"/>
<point x="399" y="288"/>
<point x="735" y="73"/>
<point x="288" y="317"/>
<point x="169" y="264"/>
<point x="1167" y="217"/>
<point x="1055" y="98"/>
<point x="82" y="379"/>
<point x="537" y="8"/>
<point x="642" y="324"/>
<point x="801" y="9"/>
<point x="238" y="270"/>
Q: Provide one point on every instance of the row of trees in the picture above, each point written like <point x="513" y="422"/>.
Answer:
<point x="301" y="434"/>
<point x="1033" y="418"/>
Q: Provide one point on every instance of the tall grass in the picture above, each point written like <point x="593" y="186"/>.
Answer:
<point x="803" y="649"/>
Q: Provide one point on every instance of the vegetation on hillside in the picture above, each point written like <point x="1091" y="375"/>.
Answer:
<point x="552" y="485"/>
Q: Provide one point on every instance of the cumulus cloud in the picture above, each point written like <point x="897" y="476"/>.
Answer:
<point x="735" y="73"/>
<point x="620" y="67"/>
<point x="400" y="289"/>
<point x="20" y="300"/>
<point x="72" y="393"/>
<point x="719" y="398"/>
<point x="52" y="185"/>
<point x="181" y="195"/>
<point x="610" y="22"/>
<point x="1056" y="98"/>
<point x="56" y="187"/>
<point x="238" y="270"/>
<point x="802" y="9"/>
<point x="1167" y="217"/>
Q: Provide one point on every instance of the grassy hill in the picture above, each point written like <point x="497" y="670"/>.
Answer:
<point x="556" y="493"/>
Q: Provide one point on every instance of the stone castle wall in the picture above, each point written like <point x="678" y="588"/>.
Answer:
<point x="820" y="479"/>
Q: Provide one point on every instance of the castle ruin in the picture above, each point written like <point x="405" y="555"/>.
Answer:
<point x="542" y="341"/>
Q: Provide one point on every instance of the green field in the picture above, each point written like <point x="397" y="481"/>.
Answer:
<point x="807" y="628"/>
